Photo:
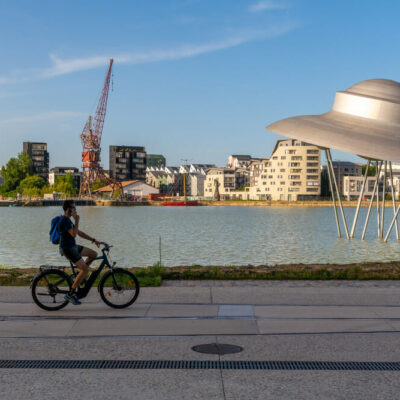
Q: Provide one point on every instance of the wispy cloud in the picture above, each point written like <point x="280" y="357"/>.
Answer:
<point x="267" y="5"/>
<point x="67" y="66"/>
<point x="50" y="115"/>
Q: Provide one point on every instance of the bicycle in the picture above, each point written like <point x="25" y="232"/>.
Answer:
<point x="118" y="287"/>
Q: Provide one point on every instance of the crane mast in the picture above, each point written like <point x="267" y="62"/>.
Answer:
<point x="91" y="146"/>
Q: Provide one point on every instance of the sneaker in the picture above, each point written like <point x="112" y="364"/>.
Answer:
<point x="72" y="299"/>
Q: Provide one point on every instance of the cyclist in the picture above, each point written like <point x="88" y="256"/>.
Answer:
<point x="72" y="251"/>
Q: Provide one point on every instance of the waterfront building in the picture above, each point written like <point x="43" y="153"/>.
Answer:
<point x="37" y="151"/>
<point x="342" y="169"/>
<point x="128" y="163"/>
<point x="155" y="160"/>
<point x="239" y="161"/>
<point x="256" y="168"/>
<point x="196" y="184"/>
<point x="292" y="173"/>
<point x="352" y="186"/>
<point x="228" y="180"/>
<point x="63" y="171"/>
<point x="171" y="179"/>
<point x="132" y="189"/>
<point x="157" y="179"/>
<point x="200" y="168"/>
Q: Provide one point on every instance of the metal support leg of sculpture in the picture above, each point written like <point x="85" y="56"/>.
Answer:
<point x="333" y="194"/>
<point x="328" y="152"/>
<point x="353" y="228"/>
<point x="393" y="199"/>
<point x="396" y="212"/>
<point x="383" y="200"/>
<point x="378" y="171"/>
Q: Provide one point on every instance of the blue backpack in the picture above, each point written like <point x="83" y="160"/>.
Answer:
<point x="54" y="230"/>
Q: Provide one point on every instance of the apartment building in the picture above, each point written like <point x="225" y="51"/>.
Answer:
<point x="37" y="151"/>
<point x="291" y="173"/>
<point x="229" y="180"/>
<point x="352" y="186"/>
<point x="128" y="163"/>
<point x="341" y="169"/>
<point x="256" y="168"/>
<point x="63" y="171"/>
<point x="155" y="160"/>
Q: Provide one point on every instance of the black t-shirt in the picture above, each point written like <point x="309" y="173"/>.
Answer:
<point x="66" y="240"/>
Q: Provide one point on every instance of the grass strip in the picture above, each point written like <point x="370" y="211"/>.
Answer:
<point x="154" y="275"/>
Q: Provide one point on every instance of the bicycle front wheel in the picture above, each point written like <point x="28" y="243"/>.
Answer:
<point x="49" y="289"/>
<point x="119" y="288"/>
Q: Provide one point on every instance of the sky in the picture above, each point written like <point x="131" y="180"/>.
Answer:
<point x="193" y="80"/>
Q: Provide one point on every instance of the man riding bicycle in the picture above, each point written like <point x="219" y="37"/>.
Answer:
<point x="72" y="251"/>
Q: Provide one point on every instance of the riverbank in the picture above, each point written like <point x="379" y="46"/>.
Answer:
<point x="154" y="275"/>
<point x="213" y="203"/>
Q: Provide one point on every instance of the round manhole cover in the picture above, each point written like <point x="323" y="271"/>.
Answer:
<point x="217" y="348"/>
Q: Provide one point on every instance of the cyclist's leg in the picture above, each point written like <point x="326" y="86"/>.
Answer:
<point x="89" y="253"/>
<point x="83" y="271"/>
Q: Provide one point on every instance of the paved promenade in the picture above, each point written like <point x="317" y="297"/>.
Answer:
<point x="273" y="321"/>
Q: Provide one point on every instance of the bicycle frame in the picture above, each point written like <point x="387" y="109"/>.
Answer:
<point x="83" y="291"/>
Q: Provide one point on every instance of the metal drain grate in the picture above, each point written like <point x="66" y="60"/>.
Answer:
<point x="202" y="364"/>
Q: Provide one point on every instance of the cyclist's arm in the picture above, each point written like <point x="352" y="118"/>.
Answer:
<point x="84" y="235"/>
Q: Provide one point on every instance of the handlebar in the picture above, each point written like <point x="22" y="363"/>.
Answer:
<point x="106" y="247"/>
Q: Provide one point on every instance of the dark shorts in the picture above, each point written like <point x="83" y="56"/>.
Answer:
<point x="73" y="254"/>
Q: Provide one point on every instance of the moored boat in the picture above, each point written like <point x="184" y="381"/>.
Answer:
<point x="180" y="203"/>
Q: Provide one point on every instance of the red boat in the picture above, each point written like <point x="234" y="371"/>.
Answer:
<point x="180" y="203"/>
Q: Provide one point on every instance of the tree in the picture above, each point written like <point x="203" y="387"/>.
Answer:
<point x="371" y="170"/>
<point x="17" y="169"/>
<point x="65" y="184"/>
<point x="31" y="185"/>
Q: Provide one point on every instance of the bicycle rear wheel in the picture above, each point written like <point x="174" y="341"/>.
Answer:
<point x="49" y="289"/>
<point x="119" y="288"/>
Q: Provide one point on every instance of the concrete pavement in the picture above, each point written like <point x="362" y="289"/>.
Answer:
<point x="286" y="321"/>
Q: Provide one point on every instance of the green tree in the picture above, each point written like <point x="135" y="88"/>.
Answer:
<point x="31" y="185"/>
<point x="17" y="169"/>
<point x="371" y="170"/>
<point x="65" y="184"/>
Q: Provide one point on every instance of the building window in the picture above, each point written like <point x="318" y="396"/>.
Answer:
<point x="297" y="158"/>
<point x="309" y="151"/>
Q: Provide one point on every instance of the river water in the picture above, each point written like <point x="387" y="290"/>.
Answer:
<point x="196" y="235"/>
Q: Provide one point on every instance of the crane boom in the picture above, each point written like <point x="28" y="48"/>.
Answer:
<point x="100" y="115"/>
<point x="91" y="149"/>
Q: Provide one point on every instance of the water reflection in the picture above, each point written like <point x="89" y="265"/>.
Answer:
<point x="198" y="235"/>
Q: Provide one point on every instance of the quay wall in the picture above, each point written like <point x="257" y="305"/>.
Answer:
<point x="222" y="203"/>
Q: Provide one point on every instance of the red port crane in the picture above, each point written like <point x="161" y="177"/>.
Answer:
<point x="91" y="149"/>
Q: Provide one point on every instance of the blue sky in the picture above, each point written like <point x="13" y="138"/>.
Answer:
<point x="193" y="79"/>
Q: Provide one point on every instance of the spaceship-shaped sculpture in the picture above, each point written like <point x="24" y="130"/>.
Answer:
<point x="364" y="120"/>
